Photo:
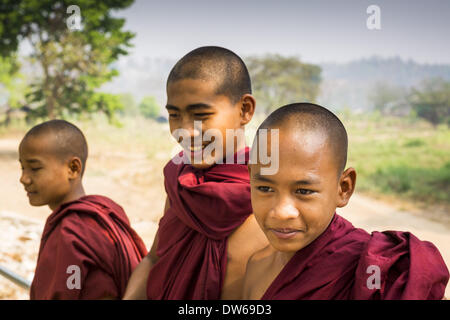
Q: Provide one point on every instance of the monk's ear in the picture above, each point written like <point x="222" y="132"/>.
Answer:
<point x="75" y="168"/>
<point x="247" y="105"/>
<point x="346" y="187"/>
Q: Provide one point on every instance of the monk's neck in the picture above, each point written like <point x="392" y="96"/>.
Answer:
<point x="76" y="193"/>
<point x="283" y="257"/>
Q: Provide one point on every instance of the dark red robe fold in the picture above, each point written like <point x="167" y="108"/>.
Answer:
<point x="336" y="266"/>
<point x="94" y="234"/>
<point x="205" y="207"/>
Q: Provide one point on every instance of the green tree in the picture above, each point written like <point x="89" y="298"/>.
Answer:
<point x="149" y="107"/>
<point x="130" y="107"/>
<point x="431" y="101"/>
<point x="13" y="88"/>
<point x="73" y="64"/>
<point x="12" y="83"/>
<point x="279" y="80"/>
<point x="386" y="98"/>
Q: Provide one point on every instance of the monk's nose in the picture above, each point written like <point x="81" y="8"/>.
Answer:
<point x="186" y="132"/>
<point x="194" y="128"/>
<point x="285" y="209"/>
<point x="24" y="179"/>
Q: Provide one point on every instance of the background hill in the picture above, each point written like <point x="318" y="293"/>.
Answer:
<point x="344" y="85"/>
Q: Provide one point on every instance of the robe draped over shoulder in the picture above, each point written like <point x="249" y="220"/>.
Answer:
<point x="88" y="251"/>
<point x="344" y="263"/>
<point x="206" y="206"/>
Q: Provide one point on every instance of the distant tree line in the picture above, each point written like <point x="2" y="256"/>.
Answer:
<point x="278" y="80"/>
<point x="148" y="107"/>
<point x="430" y="100"/>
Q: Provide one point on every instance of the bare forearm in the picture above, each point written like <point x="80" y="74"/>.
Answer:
<point x="137" y="284"/>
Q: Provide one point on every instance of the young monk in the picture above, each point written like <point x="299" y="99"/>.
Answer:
<point x="203" y="242"/>
<point x="88" y="248"/>
<point x="314" y="253"/>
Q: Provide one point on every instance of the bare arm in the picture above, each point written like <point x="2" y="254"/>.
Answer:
<point x="246" y="282"/>
<point x="242" y="244"/>
<point x="137" y="284"/>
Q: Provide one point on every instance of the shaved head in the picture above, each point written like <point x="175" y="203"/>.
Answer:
<point x="66" y="139"/>
<point x="307" y="117"/>
<point x="214" y="64"/>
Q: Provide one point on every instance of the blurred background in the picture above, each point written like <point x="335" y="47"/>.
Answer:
<point x="103" y="65"/>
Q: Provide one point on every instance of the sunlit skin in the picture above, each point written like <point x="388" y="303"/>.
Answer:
<point x="47" y="179"/>
<point x="294" y="206"/>
<point x="190" y="100"/>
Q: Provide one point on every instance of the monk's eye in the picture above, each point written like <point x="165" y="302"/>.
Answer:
<point x="174" y="116"/>
<point x="202" y="115"/>
<point x="304" y="192"/>
<point x="264" y="189"/>
<point x="36" y="169"/>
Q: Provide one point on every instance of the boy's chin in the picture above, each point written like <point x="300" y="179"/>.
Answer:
<point x="36" y="203"/>
<point x="287" y="246"/>
<point x="202" y="165"/>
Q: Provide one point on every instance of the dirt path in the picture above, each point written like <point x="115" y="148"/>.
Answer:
<point x="136" y="182"/>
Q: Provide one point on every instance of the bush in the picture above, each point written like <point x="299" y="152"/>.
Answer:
<point x="149" y="108"/>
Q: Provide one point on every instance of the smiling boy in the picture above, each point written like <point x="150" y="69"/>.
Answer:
<point x="202" y="245"/>
<point x="314" y="253"/>
<point x="88" y="248"/>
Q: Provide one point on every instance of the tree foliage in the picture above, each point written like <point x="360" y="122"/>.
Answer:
<point x="279" y="80"/>
<point x="431" y="100"/>
<point x="386" y="98"/>
<point x="130" y="107"/>
<point x="12" y="83"/>
<point x="73" y="64"/>
<point x="149" y="107"/>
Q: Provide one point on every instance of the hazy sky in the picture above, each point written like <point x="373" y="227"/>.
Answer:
<point x="317" y="31"/>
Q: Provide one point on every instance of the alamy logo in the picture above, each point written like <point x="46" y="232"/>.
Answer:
<point x="374" y="20"/>
<point x="373" y="281"/>
<point x="74" y="280"/>
<point x="74" y="20"/>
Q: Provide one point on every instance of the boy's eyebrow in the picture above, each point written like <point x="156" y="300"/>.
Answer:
<point x="170" y="107"/>
<point x="309" y="181"/>
<point x="257" y="176"/>
<point x="31" y="161"/>
<point x="191" y="107"/>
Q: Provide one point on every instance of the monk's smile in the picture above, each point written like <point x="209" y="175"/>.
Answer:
<point x="201" y="116"/>
<point x="285" y="233"/>
<point x="196" y="150"/>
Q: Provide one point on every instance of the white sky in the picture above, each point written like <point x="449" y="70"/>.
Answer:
<point x="317" y="31"/>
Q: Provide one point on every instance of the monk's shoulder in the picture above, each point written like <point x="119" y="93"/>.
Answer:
<point x="84" y="227"/>
<point x="259" y="259"/>
<point x="247" y="239"/>
<point x="255" y="280"/>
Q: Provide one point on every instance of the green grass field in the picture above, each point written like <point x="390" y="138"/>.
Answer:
<point x="407" y="159"/>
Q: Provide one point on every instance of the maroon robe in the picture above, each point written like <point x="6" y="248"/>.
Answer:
<point x="93" y="234"/>
<point x="206" y="206"/>
<point x="339" y="264"/>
